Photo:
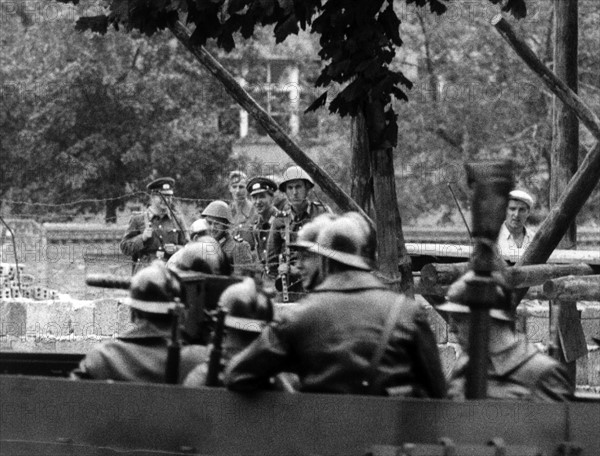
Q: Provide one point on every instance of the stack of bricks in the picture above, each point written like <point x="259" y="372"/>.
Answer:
<point x="14" y="286"/>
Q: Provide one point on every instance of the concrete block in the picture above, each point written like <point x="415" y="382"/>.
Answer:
<point x="123" y="322"/>
<point x="59" y="318"/>
<point x="537" y="323"/>
<point x="106" y="317"/>
<point x="588" y="367"/>
<point x="590" y="320"/>
<point x="13" y="318"/>
<point x="78" y="344"/>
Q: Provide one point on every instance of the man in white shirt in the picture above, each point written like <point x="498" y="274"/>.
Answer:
<point x="515" y="237"/>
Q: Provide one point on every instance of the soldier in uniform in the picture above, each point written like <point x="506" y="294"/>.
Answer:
<point x="261" y="190"/>
<point x="248" y="312"/>
<point x="155" y="232"/>
<point x="140" y="354"/>
<point x="308" y="263"/>
<point x="351" y="334"/>
<point x="218" y="217"/>
<point x="298" y="211"/>
<point x="516" y="370"/>
<point x="243" y="211"/>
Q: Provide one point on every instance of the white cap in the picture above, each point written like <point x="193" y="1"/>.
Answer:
<point x="200" y="226"/>
<point x="522" y="196"/>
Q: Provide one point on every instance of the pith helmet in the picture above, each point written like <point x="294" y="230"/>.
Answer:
<point x="308" y="234"/>
<point x="458" y="292"/>
<point x="249" y="309"/>
<point x="218" y="209"/>
<point x="154" y="289"/>
<point x="295" y="173"/>
<point x="346" y="241"/>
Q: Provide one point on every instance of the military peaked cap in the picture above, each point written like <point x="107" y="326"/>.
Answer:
<point x="162" y="185"/>
<point x="261" y="184"/>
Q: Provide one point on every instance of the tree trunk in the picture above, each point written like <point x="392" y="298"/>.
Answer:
<point x="362" y="185"/>
<point x="390" y="238"/>
<point x="110" y="215"/>
<point x="565" y="127"/>
<point x="563" y="165"/>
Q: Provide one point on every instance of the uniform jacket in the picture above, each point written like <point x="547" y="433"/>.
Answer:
<point x="276" y="241"/>
<point x="238" y="254"/>
<point x="242" y="222"/>
<point x="260" y="232"/>
<point x="139" y="355"/>
<point x="518" y="372"/>
<point x="329" y="340"/>
<point x="165" y="231"/>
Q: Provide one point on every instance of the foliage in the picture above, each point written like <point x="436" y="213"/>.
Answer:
<point x="92" y="118"/>
<point x="358" y="40"/>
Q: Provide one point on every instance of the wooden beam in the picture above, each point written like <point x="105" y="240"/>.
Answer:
<point x="556" y="86"/>
<point x="574" y="288"/>
<point x="277" y="133"/>
<point x="440" y="274"/>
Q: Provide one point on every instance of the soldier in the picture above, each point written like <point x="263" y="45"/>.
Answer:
<point x="218" y="216"/>
<point x="248" y="312"/>
<point x="261" y="190"/>
<point x="516" y="370"/>
<point x="308" y="262"/>
<point x="351" y="334"/>
<point x="140" y="354"/>
<point x="156" y="232"/>
<point x="296" y="184"/>
<point x="243" y="211"/>
<point x="515" y="237"/>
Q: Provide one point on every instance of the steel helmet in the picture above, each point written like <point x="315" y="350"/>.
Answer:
<point x="218" y="209"/>
<point x="248" y="309"/>
<point x="199" y="228"/>
<point x="295" y="173"/>
<point x="154" y="289"/>
<point x="346" y="240"/>
<point x="458" y="292"/>
<point x="202" y="255"/>
<point x="308" y="234"/>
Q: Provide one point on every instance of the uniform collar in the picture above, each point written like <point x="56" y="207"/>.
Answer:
<point x="512" y="357"/>
<point x="143" y="329"/>
<point x="152" y="214"/>
<point x="349" y="281"/>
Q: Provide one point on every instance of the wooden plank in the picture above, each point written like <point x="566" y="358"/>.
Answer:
<point x="577" y="288"/>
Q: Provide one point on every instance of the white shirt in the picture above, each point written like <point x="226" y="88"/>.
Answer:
<point x="507" y="246"/>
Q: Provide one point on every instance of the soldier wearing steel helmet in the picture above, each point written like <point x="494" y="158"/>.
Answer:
<point x="248" y="312"/>
<point x="140" y="354"/>
<point x="516" y="369"/>
<point x="351" y="334"/>
<point x="299" y="210"/>
<point x="218" y="217"/>
<point x="155" y="232"/>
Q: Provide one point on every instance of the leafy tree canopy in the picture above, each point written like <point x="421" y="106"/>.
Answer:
<point x="358" y="39"/>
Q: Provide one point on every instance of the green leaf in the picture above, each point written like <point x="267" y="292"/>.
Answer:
<point x="320" y="101"/>
<point x="288" y="27"/>
<point x="98" y="24"/>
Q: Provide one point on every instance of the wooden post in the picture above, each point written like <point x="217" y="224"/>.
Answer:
<point x="563" y="158"/>
<point x="266" y="121"/>
<point x="573" y="288"/>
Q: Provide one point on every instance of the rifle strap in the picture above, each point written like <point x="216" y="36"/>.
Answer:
<point x="372" y="382"/>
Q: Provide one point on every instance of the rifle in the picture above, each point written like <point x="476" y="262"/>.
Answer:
<point x="285" y="258"/>
<point x="174" y="347"/>
<point x="186" y="235"/>
<point x="214" y="362"/>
